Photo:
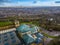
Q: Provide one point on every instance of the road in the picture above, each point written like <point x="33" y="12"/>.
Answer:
<point x="53" y="33"/>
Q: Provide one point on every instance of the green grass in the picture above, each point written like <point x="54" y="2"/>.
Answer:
<point x="32" y="22"/>
<point x="5" y="23"/>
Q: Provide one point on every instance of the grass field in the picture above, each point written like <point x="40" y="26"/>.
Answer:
<point x="7" y="23"/>
<point x="2" y="24"/>
<point x="31" y="22"/>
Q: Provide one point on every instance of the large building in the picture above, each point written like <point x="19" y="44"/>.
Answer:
<point x="25" y="34"/>
<point x="9" y="37"/>
<point x="30" y="34"/>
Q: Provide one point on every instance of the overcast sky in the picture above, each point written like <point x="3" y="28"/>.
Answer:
<point x="17" y="3"/>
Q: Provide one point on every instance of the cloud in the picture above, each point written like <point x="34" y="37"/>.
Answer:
<point x="57" y="1"/>
<point x="4" y="0"/>
<point x="15" y="3"/>
<point x="34" y="2"/>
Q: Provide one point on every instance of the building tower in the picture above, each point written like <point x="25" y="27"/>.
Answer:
<point x="16" y="22"/>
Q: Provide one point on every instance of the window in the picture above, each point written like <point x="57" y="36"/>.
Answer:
<point x="6" y="44"/>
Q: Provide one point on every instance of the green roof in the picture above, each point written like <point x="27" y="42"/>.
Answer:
<point x="25" y="28"/>
<point x="28" y="39"/>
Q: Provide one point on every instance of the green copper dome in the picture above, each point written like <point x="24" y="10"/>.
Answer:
<point x="29" y="33"/>
<point x="23" y="28"/>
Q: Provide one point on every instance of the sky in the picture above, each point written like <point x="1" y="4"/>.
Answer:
<point x="18" y="3"/>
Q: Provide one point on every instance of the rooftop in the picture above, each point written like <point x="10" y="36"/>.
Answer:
<point x="9" y="38"/>
<point x="26" y="28"/>
<point x="29" y="33"/>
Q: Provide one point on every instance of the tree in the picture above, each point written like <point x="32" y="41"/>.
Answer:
<point x="55" y="41"/>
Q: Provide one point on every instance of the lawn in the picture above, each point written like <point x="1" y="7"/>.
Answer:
<point x="2" y="24"/>
<point x="31" y="22"/>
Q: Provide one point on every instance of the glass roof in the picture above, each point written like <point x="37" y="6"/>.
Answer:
<point x="25" y="28"/>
